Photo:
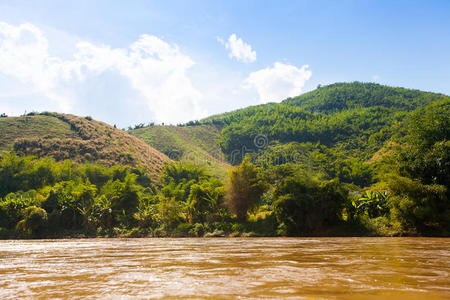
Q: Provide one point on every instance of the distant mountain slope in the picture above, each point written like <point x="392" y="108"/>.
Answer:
<point x="198" y="144"/>
<point x="341" y="96"/>
<point x="81" y="139"/>
<point x="225" y="118"/>
<point x="355" y="118"/>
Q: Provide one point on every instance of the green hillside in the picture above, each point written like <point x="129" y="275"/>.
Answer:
<point x="336" y="128"/>
<point x="332" y="115"/>
<point x="343" y="96"/>
<point x="80" y="139"/>
<point x="198" y="144"/>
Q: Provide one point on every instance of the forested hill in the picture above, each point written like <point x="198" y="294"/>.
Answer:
<point x="80" y="139"/>
<point x="342" y="96"/>
<point x="355" y="119"/>
<point x="338" y="97"/>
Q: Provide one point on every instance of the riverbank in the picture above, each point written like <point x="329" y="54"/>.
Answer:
<point x="192" y="232"/>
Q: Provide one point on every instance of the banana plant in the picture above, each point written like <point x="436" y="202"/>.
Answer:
<point x="372" y="203"/>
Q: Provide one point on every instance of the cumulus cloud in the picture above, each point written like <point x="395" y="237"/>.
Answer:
<point x="239" y="49"/>
<point x="24" y="55"/>
<point x="278" y="82"/>
<point x="153" y="68"/>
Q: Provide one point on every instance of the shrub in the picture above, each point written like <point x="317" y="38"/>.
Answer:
<point x="237" y="228"/>
<point x="223" y="226"/>
<point x="198" y="230"/>
<point x="12" y="205"/>
<point x="372" y="203"/>
<point x="419" y="207"/>
<point x="307" y="205"/>
<point x="244" y="188"/>
<point x="182" y="230"/>
<point x="161" y="231"/>
<point x="169" y="212"/>
<point x="33" y="223"/>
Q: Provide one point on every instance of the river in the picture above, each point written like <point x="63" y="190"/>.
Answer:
<point x="360" y="268"/>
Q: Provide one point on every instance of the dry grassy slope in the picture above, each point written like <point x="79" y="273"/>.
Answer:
<point x="14" y="128"/>
<point x="65" y="136"/>
<point x="196" y="144"/>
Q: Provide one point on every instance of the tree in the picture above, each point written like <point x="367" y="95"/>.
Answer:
<point x="420" y="185"/>
<point x="419" y="207"/>
<point x="204" y="200"/>
<point x="124" y="197"/>
<point x="169" y="211"/>
<point x="427" y="154"/>
<point x="33" y="223"/>
<point x="244" y="188"/>
<point x="177" y="172"/>
<point x="305" y="205"/>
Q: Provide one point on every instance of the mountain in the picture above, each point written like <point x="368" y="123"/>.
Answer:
<point x="339" y="129"/>
<point x="330" y="127"/>
<point x="353" y="116"/>
<point x="343" y="96"/>
<point x="81" y="139"/>
<point x="198" y="144"/>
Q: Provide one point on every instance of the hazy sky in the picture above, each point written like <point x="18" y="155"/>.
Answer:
<point x="126" y="62"/>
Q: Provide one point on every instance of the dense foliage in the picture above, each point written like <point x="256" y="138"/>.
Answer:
<point x="420" y="185"/>
<point x="343" y="96"/>
<point x="45" y="198"/>
<point x="305" y="205"/>
<point x="244" y="189"/>
<point x="354" y="120"/>
<point x="74" y="197"/>
<point x="361" y="159"/>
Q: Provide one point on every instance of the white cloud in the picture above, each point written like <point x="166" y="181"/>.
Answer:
<point x="239" y="49"/>
<point x="276" y="83"/>
<point x="24" y="55"/>
<point x="155" y="69"/>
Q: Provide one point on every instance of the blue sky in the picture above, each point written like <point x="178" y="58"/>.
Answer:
<point x="126" y="62"/>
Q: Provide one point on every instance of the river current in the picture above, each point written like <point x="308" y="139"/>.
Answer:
<point x="322" y="268"/>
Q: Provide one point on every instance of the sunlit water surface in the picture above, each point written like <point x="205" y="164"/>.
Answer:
<point x="409" y="268"/>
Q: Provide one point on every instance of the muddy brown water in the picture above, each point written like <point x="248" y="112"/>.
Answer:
<point x="323" y="268"/>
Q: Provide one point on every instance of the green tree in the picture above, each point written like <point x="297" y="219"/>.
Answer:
<point x="124" y="198"/>
<point x="306" y="205"/>
<point x="427" y="152"/>
<point x="419" y="208"/>
<point x="34" y="222"/>
<point x="169" y="211"/>
<point x="204" y="200"/>
<point x="421" y="180"/>
<point x="244" y="188"/>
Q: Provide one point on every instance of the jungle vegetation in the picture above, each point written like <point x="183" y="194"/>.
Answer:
<point x="346" y="159"/>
